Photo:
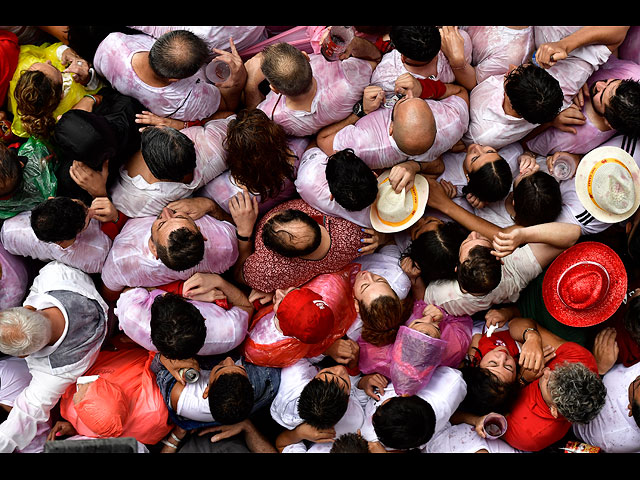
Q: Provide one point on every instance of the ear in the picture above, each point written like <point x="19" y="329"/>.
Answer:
<point x="554" y="411"/>
<point x="152" y="248"/>
<point x="391" y="129"/>
<point x="357" y="305"/>
<point x="274" y="89"/>
<point x="306" y="55"/>
<point x="205" y="394"/>
<point x="331" y="199"/>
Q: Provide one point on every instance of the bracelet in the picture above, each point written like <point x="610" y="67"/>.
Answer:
<point x="241" y="238"/>
<point x="524" y="334"/>
<point x="95" y="101"/>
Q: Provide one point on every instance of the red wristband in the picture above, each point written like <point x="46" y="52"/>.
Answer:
<point x="432" y="88"/>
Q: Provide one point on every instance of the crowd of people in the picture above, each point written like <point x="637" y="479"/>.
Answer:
<point x="319" y="239"/>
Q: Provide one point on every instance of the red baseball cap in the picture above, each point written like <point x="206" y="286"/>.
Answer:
<point x="584" y="285"/>
<point x="303" y="314"/>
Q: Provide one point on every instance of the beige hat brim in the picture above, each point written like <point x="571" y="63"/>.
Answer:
<point x="581" y="180"/>
<point x="421" y="190"/>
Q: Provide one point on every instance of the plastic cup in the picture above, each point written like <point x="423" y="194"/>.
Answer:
<point x="495" y="425"/>
<point x="217" y="71"/>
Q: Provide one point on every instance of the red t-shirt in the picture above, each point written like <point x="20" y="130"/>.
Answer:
<point x="530" y="425"/>
<point x="9" y="52"/>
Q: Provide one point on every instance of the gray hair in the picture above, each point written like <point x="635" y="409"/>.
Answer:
<point x="23" y="331"/>
<point x="577" y="392"/>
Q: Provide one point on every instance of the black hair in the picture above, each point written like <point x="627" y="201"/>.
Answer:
<point x="322" y="403"/>
<point x="486" y="393"/>
<point x="184" y="250"/>
<point x="10" y="170"/>
<point x="418" y="42"/>
<point x="287" y="69"/>
<point x="350" y="443"/>
<point x="635" y="412"/>
<point x="231" y="398"/>
<point x="404" y="422"/>
<point x="277" y="239"/>
<point x="491" y="182"/>
<point x="178" y="328"/>
<point x="178" y="54"/>
<point x="481" y="272"/>
<point x="436" y="252"/>
<point x="351" y="182"/>
<point x="169" y="153"/>
<point x="537" y="199"/>
<point x="58" y="219"/>
<point x="623" y="110"/>
<point x="534" y="93"/>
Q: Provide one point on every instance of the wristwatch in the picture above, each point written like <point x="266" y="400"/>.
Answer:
<point x="358" y="109"/>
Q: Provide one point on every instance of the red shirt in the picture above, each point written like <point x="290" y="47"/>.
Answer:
<point x="531" y="427"/>
<point x="9" y="52"/>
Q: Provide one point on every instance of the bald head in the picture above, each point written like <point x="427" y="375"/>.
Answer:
<point x="414" y="127"/>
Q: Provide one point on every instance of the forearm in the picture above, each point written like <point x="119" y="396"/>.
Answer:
<point x="556" y="234"/>
<point x="518" y="326"/>
<point x="325" y="136"/>
<point x="463" y="417"/>
<point x="256" y="441"/>
<point x="435" y="167"/>
<point x="364" y="49"/>
<point x="245" y="249"/>
<point x="611" y="36"/>
<point x="455" y="90"/>
<point x="466" y="76"/>
<point x="468" y="220"/>
<point x="235" y="296"/>
<point x="288" y="437"/>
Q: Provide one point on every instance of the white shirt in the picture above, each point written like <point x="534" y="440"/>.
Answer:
<point x="293" y="379"/>
<point x="613" y="429"/>
<point x="518" y="270"/>
<point x="444" y="392"/>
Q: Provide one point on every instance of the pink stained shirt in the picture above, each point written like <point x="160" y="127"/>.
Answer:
<point x="497" y="47"/>
<point x="87" y="253"/>
<point x="588" y="136"/>
<point x="135" y="197"/>
<point x="131" y="264"/>
<point x="226" y="329"/>
<point x="370" y="140"/>
<point x="391" y="67"/>
<point x="489" y="124"/>
<point x="268" y="271"/>
<point x="188" y="99"/>
<point x="14" y="279"/>
<point x="340" y="86"/>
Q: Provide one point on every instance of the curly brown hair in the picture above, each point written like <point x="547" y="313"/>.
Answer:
<point x="37" y="97"/>
<point x="258" y="154"/>
<point x="383" y="318"/>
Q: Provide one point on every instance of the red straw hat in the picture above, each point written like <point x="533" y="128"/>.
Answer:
<point x="585" y="285"/>
<point x="303" y="314"/>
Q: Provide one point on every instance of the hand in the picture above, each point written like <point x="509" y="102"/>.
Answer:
<point x="148" y="118"/>
<point x="453" y="46"/>
<point x="497" y="316"/>
<point x="254" y="70"/>
<point x="529" y="375"/>
<point x="526" y="161"/>
<point x="438" y="196"/>
<point x="372" y="98"/>
<point x="605" y="349"/>
<point x="527" y="171"/>
<point x="174" y="366"/>
<point x="263" y="297"/>
<point x="410" y="268"/>
<point x="548" y="54"/>
<point x="62" y="428"/>
<point x="504" y="244"/>
<point x="434" y="312"/>
<point x="403" y="175"/>
<point x="551" y="159"/>
<point x="474" y="201"/>
<point x="244" y="211"/>
<point x="195" y="207"/>
<point x="204" y="287"/>
<point x="344" y="351"/>
<point x="408" y="85"/>
<point x="583" y="93"/>
<point x="531" y="354"/>
<point x="95" y="183"/>
<point x="373" y="383"/>
<point x="316" y="435"/>
<point x="572" y="115"/>
<point x="225" y="431"/>
<point x="239" y="75"/>
<point x="103" y="210"/>
<point x="375" y="240"/>
<point x="449" y="189"/>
